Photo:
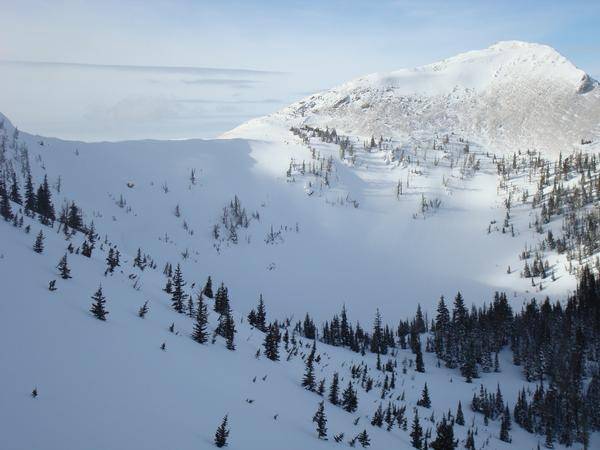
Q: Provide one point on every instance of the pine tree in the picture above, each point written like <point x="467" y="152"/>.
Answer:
<point x="5" y="209"/>
<point x="38" y="246"/>
<point x="30" y="199"/>
<point x="229" y="331"/>
<point x="178" y="296"/>
<point x="271" y="343"/>
<point x="321" y="420"/>
<point x="168" y="286"/>
<point x="208" y="288"/>
<point x="190" y="306"/>
<point x="469" y="367"/>
<point x="363" y="439"/>
<point x="87" y="249"/>
<point x="63" y="268"/>
<point x="505" y="426"/>
<point x="390" y="416"/>
<point x="416" y="433"/>
<point x="138" y="261"/>
<point x="419" y="323"/>
<point x="98" y="309"/>
<point x="349" y="399"/>
<point x="222" y="433"/>
<point x="200" y="334"/>
<point x="420" y="365"/>
<point x="221" y="305"/>
<point x="308" y="381"/>
<point x="143" y="310"/>
<point x="377" y="420"/>
<point x="445" y="437"/>
<point x="334" y="390"/>
<point x="460" y="418"/>
<point x="112" y="260"/>
<point x="15" y="196"/>
<point x="442" y="324"/>
<point x="425" y="401"/>
<point x="470" y="442"/>
<point x="321" y="388"/>
<point x="261" y="315"/>
<point x="74" y="219"/>
<point x="44" y="205"/>
<point x="377" y="341"/>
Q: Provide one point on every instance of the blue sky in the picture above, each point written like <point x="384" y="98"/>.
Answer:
<point x="315" y="44"/>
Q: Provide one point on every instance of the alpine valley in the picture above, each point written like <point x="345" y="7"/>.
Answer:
<point x="408" y="260"/>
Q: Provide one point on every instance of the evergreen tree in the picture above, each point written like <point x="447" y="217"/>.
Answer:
<point x="221" y="300"/>
<point x="112" y="260"/>
<point x="98" y="309"/>
<point x="30" y="199"/>
<point x="15" y="196"/>
<point x="200" y="334"/>
<point x="271" y="343"/>
<point x="416" y="433"/>
<point x="470" y="441"/>
<point x="44" y="204"/>
<point x="229" y="331"/>
<point x="138" y="261"/>
<point x="377" y="420"/>
<point x="208" y="288"/>
<point x="178" y="296"/>
<point x="38" y="246"/>
<point x="168" y="286"/>
<point x="363" y="439"/>
<point x="190" y="306"/>
<point x="74" y="219"/>
<point x="460" y="418"/>
<point x="308" y="381"/>
<point x="321" y="420"/>
<point x="86" y="249"/>
<point x="321" y="388"/>
<point x="419" y="322"/>
<point x="261" y="315"/>
<point x="445" y="437"/>
<point x="469" y="367"/>
<point x="505" y="426"/>
<point x="5" y="209"/>
<point x="442" y="325"/>
<point x="420" y="365"/>
<point x="222" y="433"/>
<point x="349" y="399"/>
<point x="334" y="390"/>
<point x="377" y="342"/>
<point x="143" y="310"/>
<point x="425" y="401"/>
<point x="63" y="268"/>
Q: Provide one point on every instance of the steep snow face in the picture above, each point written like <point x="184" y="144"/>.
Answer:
<point x="510" y="96"/>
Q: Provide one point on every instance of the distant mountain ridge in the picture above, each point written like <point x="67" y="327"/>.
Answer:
<point x="511" y="96"/>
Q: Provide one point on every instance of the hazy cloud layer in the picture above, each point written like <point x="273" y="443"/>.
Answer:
<point x="127" y="69"/>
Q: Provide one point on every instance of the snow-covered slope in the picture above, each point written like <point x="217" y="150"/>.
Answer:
<point x="109" y="386"/>
<point x="373" y="251"/>
<point x="510" y="96"/>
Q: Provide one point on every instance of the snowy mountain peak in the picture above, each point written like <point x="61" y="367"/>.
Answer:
<point x="510" y="96"/>
<point x="514" y="59"/>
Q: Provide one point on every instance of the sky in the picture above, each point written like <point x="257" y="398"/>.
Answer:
<point x="171" y="69"/>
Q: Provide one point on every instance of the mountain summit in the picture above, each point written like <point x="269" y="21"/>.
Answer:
<point x="511" y="96"/>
